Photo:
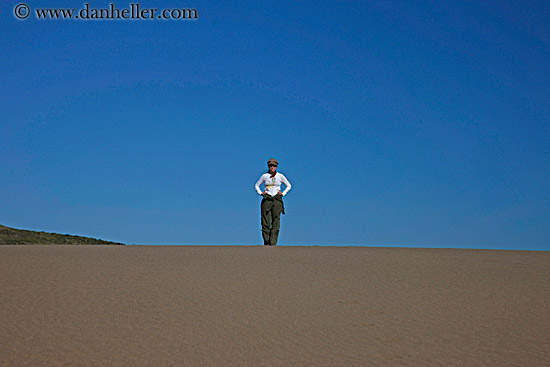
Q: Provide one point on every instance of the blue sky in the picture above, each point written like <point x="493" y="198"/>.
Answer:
<point x="417" y="124"/>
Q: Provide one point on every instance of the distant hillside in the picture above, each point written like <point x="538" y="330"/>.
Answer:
<point x="12" y="236"/>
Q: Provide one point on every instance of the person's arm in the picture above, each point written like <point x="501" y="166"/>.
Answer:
<point x="257" y="186"/>
<point x="287" y="184"/>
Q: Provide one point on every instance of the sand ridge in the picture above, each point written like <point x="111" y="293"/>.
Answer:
<point x="282" y="306"/>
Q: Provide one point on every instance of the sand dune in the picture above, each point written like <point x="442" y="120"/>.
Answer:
<point x="283" y="306"/>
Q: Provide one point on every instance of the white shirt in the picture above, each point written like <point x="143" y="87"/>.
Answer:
<point x="272" y="184"/>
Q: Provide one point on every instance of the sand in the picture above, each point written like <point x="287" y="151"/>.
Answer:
<point x="282" y="306"/>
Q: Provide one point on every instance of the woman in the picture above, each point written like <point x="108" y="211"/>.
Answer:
<point x="272" y="203"/>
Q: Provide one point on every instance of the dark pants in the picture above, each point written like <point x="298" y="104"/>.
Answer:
<point x="272" y="207"/>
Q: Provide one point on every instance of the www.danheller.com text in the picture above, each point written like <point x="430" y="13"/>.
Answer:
<point x="134" y="11"/>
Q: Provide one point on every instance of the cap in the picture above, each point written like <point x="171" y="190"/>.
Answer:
<point x="272" y="161"/>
